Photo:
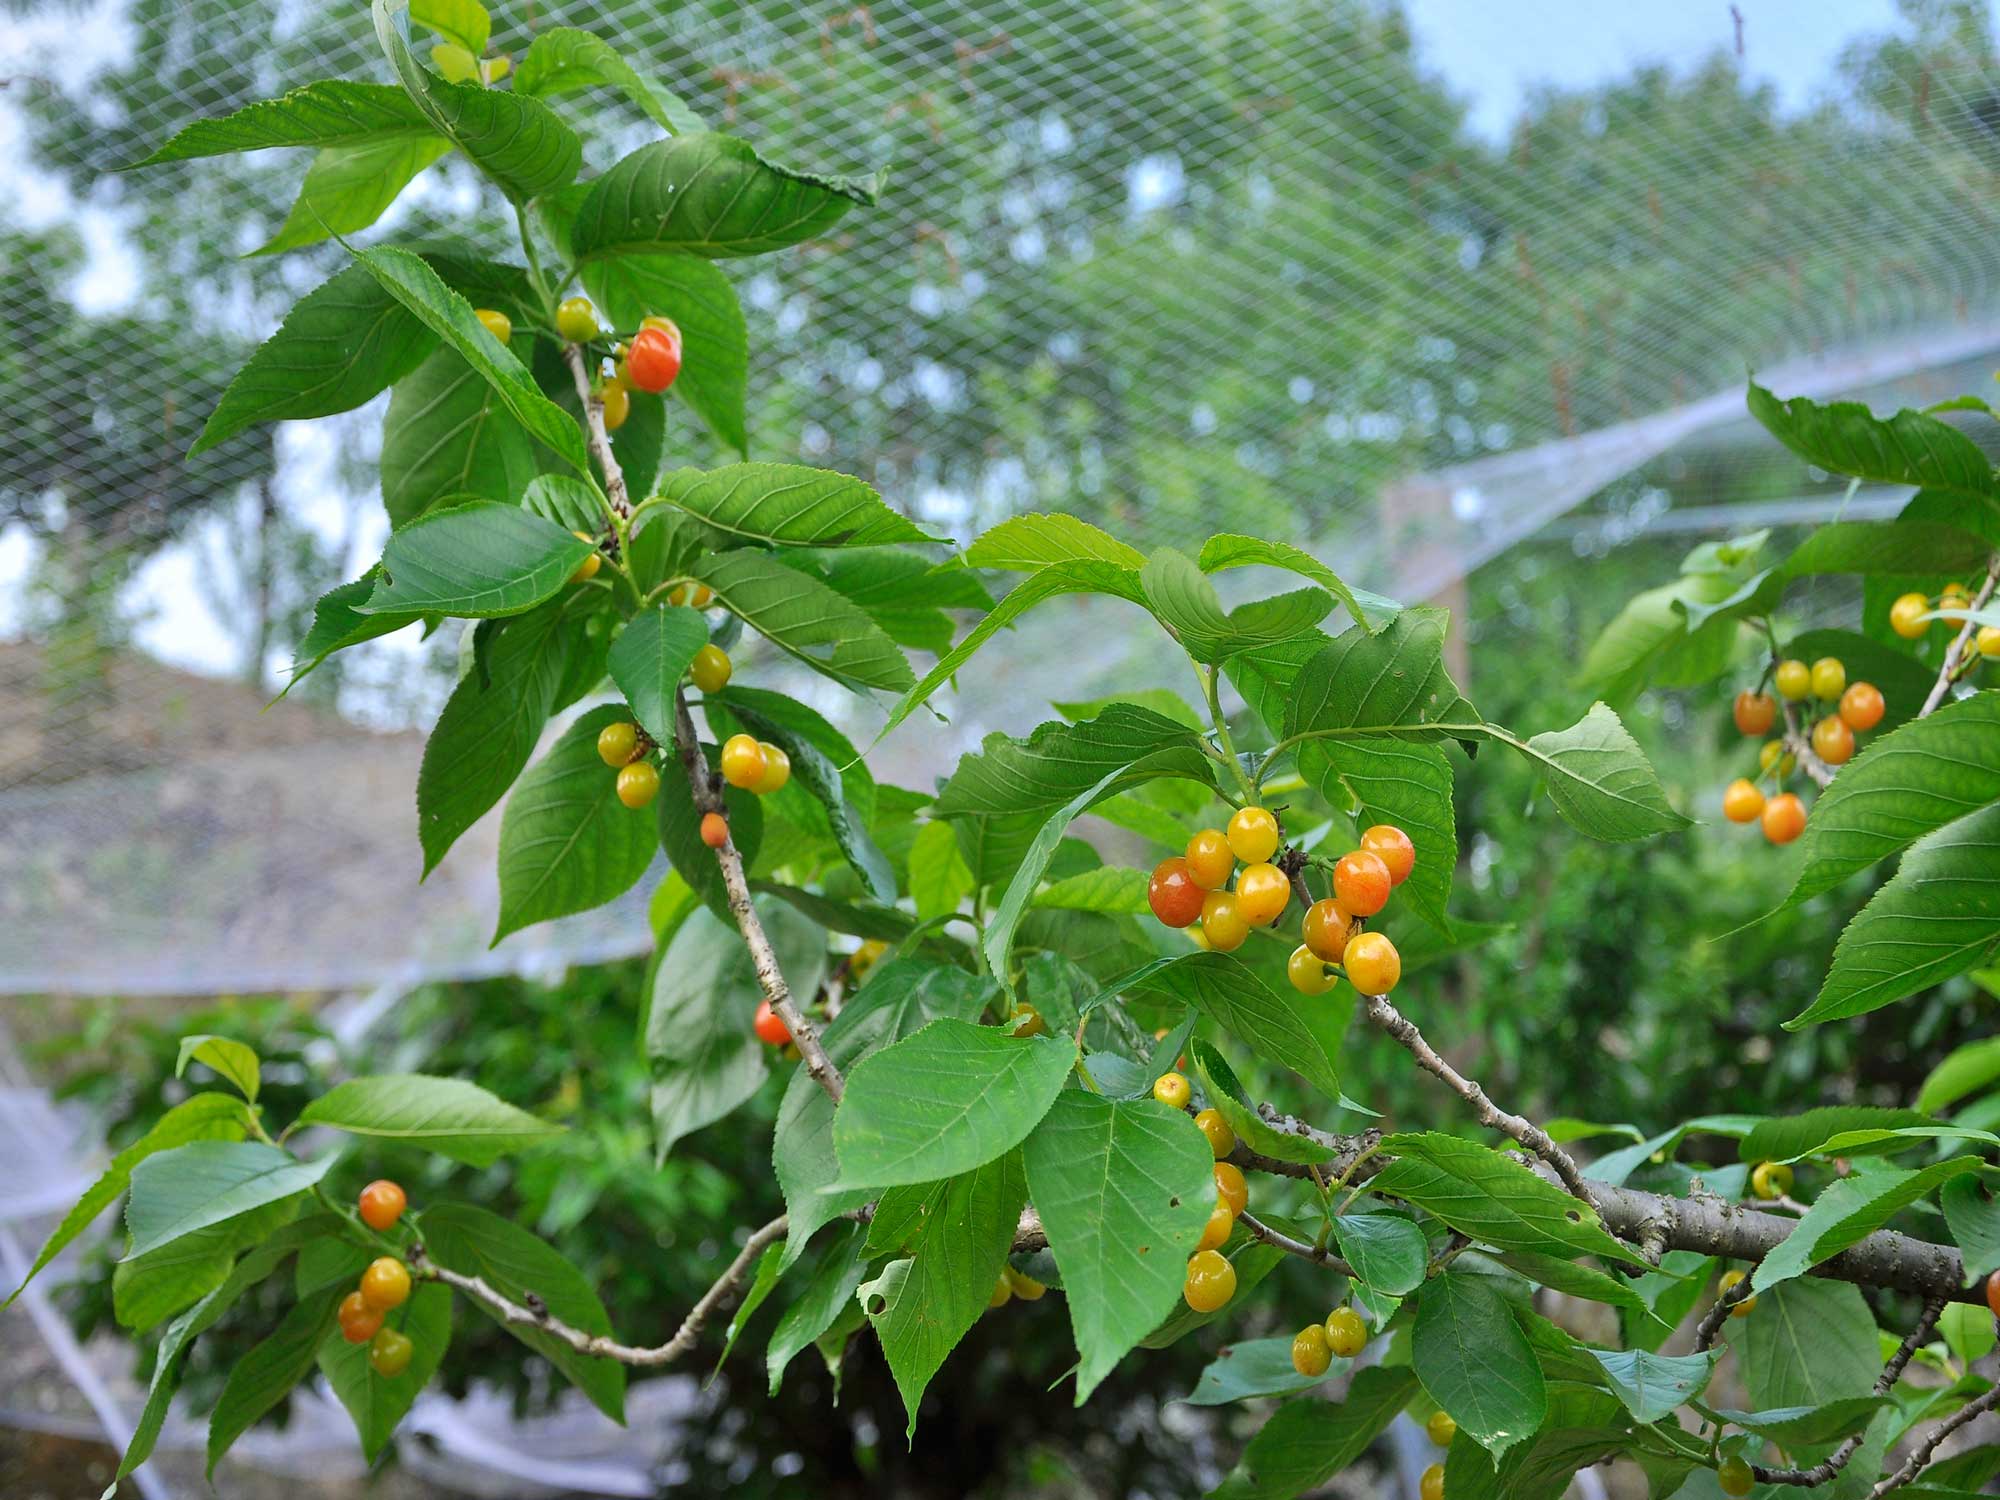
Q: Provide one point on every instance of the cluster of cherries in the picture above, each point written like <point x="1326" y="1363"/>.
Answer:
<point x="1191" y="891"/>
<point x="385" y="1286"/>
<point x="1211" y="1279"/>
<point x="1850" y="708"/>
<point x="649" y="362"/>
<point x="1911" y="618"/>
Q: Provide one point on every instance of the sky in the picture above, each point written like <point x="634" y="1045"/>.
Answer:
<point x="1493" y="54"/>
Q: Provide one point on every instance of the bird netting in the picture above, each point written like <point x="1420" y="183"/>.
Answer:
<point x="1235" y="265"/>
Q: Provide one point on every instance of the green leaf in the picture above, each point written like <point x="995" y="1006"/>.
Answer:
<point x="1803" y="1426"/>
<point x="1576" y="1280"/>
<point x="1227" y="1096"/>
<point x="948" y="1099"/>
<point x="827" y="1292"/>
<point x="1846" y="438"/>
<point x="449" y="1116"/>
<point x="448" y="438"/>
<point x="957" y="1252"/>
<point x="342" y="343"/>
<point x="148" y="1289"/>
<point x="1124" y="1189"/>
<point x="229" y="1060"/>
<point x="260" y="1379"/>
<point x="1107" y="889"/>
<point x="515" y="1263"/>
<point x="1939" y="915"/>
<point x="770" y="1266"/>
<point x="204" y="1117"/>
<point x="478" y="561"/>
<point x="700" y="299"/>
<point x="1650" y="1386"/>
<point x="709" y="195"/>
<point x="1253" y="1368"/>
<point x="348" y="187"/>
<point x="567" y="843"/>
<point x="1227" y="991"/>
<point x="899" y="997"/>
<point x="1790" y="1137"/>
<point x="650" y="657"/>
<point x="1181" y="597"/>
<point x="1584" y="1426"/>
<point x="939" y="878"/>
<point x="1973" y="1216"/>
<point x="1809" y="1342"/>
<point x="464" y="22"/>
<point x="338" y="623"/>
<point x="1226" y="551"/>
<point x="1600" y="780"/>
<point x="490" y="727"/>
<point x="1931" y="772"/>
<point x="516" y="140"/>
<point x="1491" y="1197"/>
<point x="1027" y="543"/>
<point x="450" y="316"/>
<point x="1966" y="1070"/>
<point x="1387" y="1251"/>
<point x="1058" y="760"/>
<point x="1309" y="1441"/>
<point x="788" y="504"/>
<point x="564" y="60"/>
<point x="178" y="1191"/>
<point x="705" y="1059"/>
<point x="377" y="1405"/>
<point x="328" y="113"/>
<point x="1475" y="1362"/>
<point x="803" y="617"/>
<point x="1848" y="1210"/>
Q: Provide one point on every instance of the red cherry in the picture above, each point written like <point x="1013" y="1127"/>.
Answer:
<point x="1173" y="894"/>
<point x="653" y="360"/>
<point x="769" y="1026"/>
<point x="714" y="830"/>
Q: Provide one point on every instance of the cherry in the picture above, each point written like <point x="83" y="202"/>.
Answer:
<point x="1773" y="754"/>
<point x="1755" y="712"/>
<point x="663" y="323"/>
<point x="1261" y="893"/>
<point x="576" y="320"/>
<point x="1954" y="597"/>
<point x="617" y="404"/>
<point x="866" y="957"/>
<point x="1215" y="1233"/>
<point x="1025" y="1286"/>
<point x="389" y="1353"/>
<point x="1361" y="882"/>
<point x="385" y="1284"/>
<point x="1026" y="1021"/>
<point x="382" y="1204"/>
<point x="1430" y="1486"/>
<point x="1862" y="706"/>
<point x="1310" y="1355"/>
<point x="1829" y="678"/>
<point x="587" y="569"/>
<point x="1372" y="963"/>
<point x="497" y="323"/>
<point x="358" y="1321"/>
<point x="1222" y="924"/>
<point x="742" y="761"/>
<point x="1833" y="741"/>
<point x="1906" y="616"/>
<point x="710" y="670"/>
<point x="638" y="784"/>
<point x="1172" y="1090"/>
<point x="1346" y="1332"/>
<point x="1210" y="860"/>
<point x="777" y="770"/>
<point x="617" y="743"/>
<point x="1993" y="1293"/>
<point x="1393" y="847"/>
<point x="1771" y="1179"/>
<point x="1002" y="1293"/>
<point x="714" y="830"/>
<point x="1221" y="1139"/>
<point x="1741" y="801"/>
<point x="770" y="1026"/>
<point x="1230" y="1184"/>
<point x="1784" y="818"/>
<point x="694" y="595"/>
<point x="1793" y="679"/>
<point x="1253" y="834"/>
<point x="1733" y="1476"/>
<point x="1440" y="1427"/>
<point x="1741" y="1309"/>
<point x="1326" y="929"/>
<point x="1307" y="972"/>
<point x="653" y="360"/>
<point x="1211" y="1281"/>
<point x="1988" y="641"/>
<point x="1172" y="893"/>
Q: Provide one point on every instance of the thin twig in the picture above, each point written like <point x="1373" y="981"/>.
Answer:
<point x="1824" y="1471"/>
<point x="1947" y="672"/>
<point x="1256" y="1228"/>
<point x="600" y="439"/>
<point x="1712" y="1320"/>
<point x="1489" y="1114"/>
<point x="598" y="1345"/>
<point x="1915" y="1464"/>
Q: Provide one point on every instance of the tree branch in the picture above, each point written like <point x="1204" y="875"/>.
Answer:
<point x="600" y="439"/>
<point x="1948" y="672"/>
<point x="535" y="1313"/>
<point x="1915" y="1464"/>
<point x="1892" y="1371"/>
